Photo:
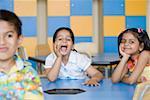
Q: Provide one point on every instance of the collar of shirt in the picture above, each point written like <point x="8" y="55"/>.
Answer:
<point x="19" y="65"/>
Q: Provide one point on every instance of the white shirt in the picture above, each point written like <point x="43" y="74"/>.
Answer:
<point x="75" y="67"/>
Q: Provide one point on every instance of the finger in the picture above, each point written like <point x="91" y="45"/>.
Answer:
<point x="91" y="84"/>
<point x="120" y="48"/>
<point x="85" y="83"/>
<point x="59" y="44"/>
<point x="97" y="84"/>
<point x="54" y="46"/>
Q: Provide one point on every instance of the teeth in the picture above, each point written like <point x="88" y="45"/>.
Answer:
<point x="64" y="46"/>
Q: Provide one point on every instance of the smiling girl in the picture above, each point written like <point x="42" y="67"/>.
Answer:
<point x="134" y="49"/>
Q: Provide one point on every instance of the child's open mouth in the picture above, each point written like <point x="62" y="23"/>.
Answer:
<point x="63" y="48"/>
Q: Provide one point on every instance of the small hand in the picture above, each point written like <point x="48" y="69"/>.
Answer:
<point x="91" y="82"/>
<point x="121" y="50"/>
<point x="57" y="48"/>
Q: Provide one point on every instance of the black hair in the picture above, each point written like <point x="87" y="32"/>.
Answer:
<point x="63" y="28"/>
<point x="140" y="34"/>
<point x="12" y="18"/>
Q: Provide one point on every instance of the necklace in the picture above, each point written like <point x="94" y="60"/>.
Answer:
<point x="132" y="63"/>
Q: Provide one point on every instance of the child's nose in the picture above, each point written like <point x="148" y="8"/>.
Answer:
<point x="126" y="43"/>
<point x="2" y="40"/>
<point x="64" y="40"/>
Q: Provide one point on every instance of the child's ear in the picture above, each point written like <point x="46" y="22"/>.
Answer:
<point x="141" y="47"/>
<point x="20" y="40"/>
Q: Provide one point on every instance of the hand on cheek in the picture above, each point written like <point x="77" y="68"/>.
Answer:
<point x="57" y="48"/>
<point x="121" y="49"/>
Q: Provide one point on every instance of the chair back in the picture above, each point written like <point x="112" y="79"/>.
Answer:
<point x="142" y="91"/>
<point x="22" y="53"/>
<point x="85" y="48"/>
<point x="42" y="50"/>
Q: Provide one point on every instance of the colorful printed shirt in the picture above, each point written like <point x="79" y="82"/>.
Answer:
<point x="21" y="80"/>
<point x="75" y="67"/>
<point x="145" y="75"/>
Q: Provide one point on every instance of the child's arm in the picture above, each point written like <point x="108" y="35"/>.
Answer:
<point x="95" y="75"/>
<point x="54" y="71"/>
<point x="121" y="68"/>
<point x="142" y="61"/>
<point x="120" y="71"/>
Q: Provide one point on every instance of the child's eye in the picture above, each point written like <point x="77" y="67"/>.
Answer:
<point x="59" y="39"/>
<point x="123" y="41"/>
<point x="10" y="35"/>
<point x="131" y="42"/>
<point x="68" y="39"/>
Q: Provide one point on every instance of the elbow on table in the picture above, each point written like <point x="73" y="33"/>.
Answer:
<point x="51" y="79"/>
<point x="131" y="82"/>
<point x="114" y="80"/>
<point x="128" y="81"/>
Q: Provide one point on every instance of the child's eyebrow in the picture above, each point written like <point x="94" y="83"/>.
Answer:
<point x="127" y="39"/>
<point x="59" y="37"/>
<point x="5" y="33"/>
<point x="9" y="32"/>
<point x="68" y="36"/>
<point x="132" y="39"/>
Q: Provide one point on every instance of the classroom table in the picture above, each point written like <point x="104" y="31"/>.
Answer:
<point x="106" y="91"/>
<point x="107" y="60"/>
<point x="104" y="59"/>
